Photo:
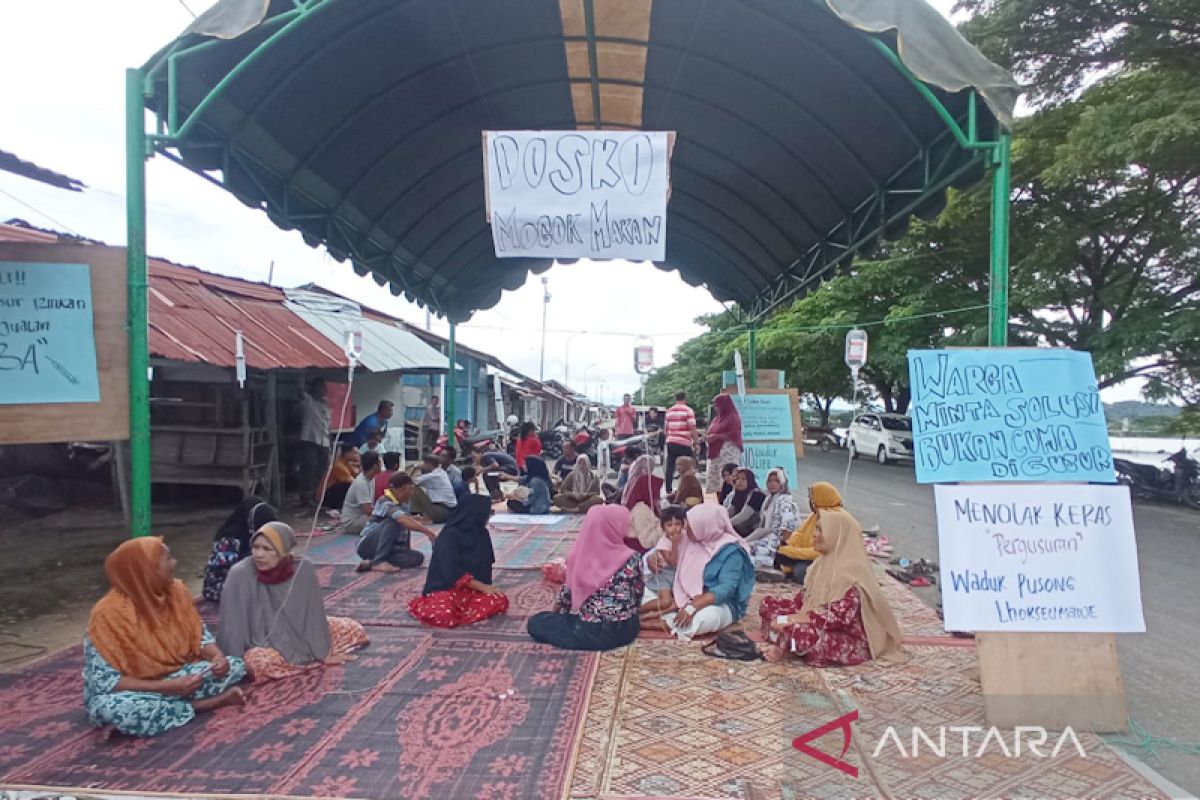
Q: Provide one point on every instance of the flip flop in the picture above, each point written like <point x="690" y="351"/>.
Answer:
<point x="903" y="577"/>
<point x="919" y="582"/>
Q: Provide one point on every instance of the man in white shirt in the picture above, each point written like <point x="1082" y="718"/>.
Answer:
<point x="360" y="497"/>
<point x="434" y="496"/>
<point x="314" y="440"/>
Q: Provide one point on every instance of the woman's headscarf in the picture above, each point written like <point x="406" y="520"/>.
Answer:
<point x="281" y="537"/>
<point x="535" y="467"/>
<point x="463" y="547"/>
<point x="142" y="628"/>
<point x="821" y="497"/>
<point x="779" y="511"/>
<point x="751" y="494"/>
<point x="287" y="615"/>
<point x="581" y="480"/>
<point x="598" y="553"/>
<point x="710" y="531"/>
<point x="726" y="426"/>
<point x="249" y="515"/>
<point x="642" y="469"/>
<point x="845" y="564"/>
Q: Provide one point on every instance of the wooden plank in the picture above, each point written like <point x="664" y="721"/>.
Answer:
<point x="1054" y="680"/>
<point x="85" y="422"/>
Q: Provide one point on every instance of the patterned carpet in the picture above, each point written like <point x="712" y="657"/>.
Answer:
<point x="666" y="721"/>
<point x="419" y="714"/>
<point x="484" y="713"/>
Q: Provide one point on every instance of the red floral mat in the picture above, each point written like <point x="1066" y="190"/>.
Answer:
<point x="419" y="714"/>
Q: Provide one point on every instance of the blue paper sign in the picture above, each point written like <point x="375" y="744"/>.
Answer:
<point x="762" y="457"/>
<point x="765" y="417"/>
<point x="47" y="342"/>
<point x="1007" y="415"/>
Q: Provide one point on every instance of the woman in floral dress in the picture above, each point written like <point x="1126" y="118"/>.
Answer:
<point x="597" y="608"/>
<point x="841" y="616"/>
<point x="150" y="663"/>
<point x="232" y="543"/>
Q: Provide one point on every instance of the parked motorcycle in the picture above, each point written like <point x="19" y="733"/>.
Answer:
<point x="1180" y="484"/>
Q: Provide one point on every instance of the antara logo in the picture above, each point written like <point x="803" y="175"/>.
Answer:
<point x="844" y="722"/>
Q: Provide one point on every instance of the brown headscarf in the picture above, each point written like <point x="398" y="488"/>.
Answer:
<point x="845" y="564"/>
<point x="143" y="629"/>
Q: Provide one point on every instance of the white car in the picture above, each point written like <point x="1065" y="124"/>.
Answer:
<point x="888" y="437"/>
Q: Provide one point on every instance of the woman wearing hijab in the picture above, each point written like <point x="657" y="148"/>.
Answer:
<point x="797" y="554"/>
<point x="724" y="438"/>
<point x="580" y="490"/>
<point x="232" y="543"/>
<point x="537" y="480"/>
<point x="713" y="574"/>
<point x="458" y="588"/>
<point x="728" y="479"/>
<point x="744" y="504"/>
<point x="841" y="616"/>
<point x="642" y="486"/>
<point x="689" y="492"/>
<point x="779" y="517"/>
<point x="597" y="608"/>
<point x="273" y="614"/>
<point x="150" y="662"/>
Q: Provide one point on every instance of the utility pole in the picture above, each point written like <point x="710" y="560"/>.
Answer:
<point x="545" y="306"/>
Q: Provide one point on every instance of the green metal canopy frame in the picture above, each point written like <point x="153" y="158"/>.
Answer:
<point x="201" y="127"/>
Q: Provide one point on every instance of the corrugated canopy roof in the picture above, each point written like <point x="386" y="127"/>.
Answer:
<point x="386" y="347"/>
<point x="802" y="138"/>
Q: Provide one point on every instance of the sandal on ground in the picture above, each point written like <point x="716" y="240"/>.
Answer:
<point x="767" y="575"/>
<point x="732" y="646"/>
<point x="899" y="575"/>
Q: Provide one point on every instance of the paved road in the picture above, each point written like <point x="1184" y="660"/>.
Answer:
<point x="1161" y="667"/>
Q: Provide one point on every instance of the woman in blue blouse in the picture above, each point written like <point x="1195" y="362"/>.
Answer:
<point x="597" y="608"/>
<point x="537" y="478"/>
<point x="714" y="576"/>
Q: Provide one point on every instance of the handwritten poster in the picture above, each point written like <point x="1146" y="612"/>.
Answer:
<point x="765" y="417"/>
<point x="762" y="457"/>
<point x="578" y="194"/>
<point x="1038" y="558"/>
<point x="1007" y="415"/>
<point x="47" y="342"/>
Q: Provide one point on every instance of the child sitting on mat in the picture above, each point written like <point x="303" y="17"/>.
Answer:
<point x="659" y="565"/>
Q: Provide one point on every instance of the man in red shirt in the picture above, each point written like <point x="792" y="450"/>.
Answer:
<point x="626" y="418"/>
<point x="681" y="435"/>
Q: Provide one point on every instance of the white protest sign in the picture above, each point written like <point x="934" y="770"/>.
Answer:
<point x="1029" y="557"/>
<point x="578" y="194"/>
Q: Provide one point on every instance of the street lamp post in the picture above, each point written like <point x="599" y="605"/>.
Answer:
<point x="567" y="359"/>
<point x="545" y="306"/>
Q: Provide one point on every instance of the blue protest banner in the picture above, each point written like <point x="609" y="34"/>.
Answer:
<point x="1001" y="414"/>
<point x="47" y="342"/>
<point x="765" y="417"/>
<point x="762" y="457"/>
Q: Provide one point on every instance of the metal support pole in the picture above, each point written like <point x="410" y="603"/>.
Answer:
<point x="451" y="385"/>
<point x="545" y="306"/>
<point x="139" y="352"/>
<point x="753" y="356"/>
<point x="998" y="273"/>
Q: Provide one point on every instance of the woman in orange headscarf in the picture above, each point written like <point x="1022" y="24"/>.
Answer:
<point x="797" y="554"/>
<point x="150" y="663"/>
<point x="841" y="616"/>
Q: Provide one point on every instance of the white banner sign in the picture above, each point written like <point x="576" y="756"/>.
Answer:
<point x="1022" y="557"/>
<point x="578" y="194"/>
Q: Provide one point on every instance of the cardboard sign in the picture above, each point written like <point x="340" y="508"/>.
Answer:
<point x="578" y="194"/>
<point x="771" y="432"/>
<point x="47" y="340"/>
<point x="1007" y="415"/>
<point x="1038" y="558"/>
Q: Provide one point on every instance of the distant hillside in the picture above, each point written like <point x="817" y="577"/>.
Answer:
<point x="1135" y="409"/>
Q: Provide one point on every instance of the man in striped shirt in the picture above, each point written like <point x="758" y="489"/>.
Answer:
<point x="681" y="435"/>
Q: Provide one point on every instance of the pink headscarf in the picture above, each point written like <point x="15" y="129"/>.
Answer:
<point x="642" y="469"/>
<point x="598" y="553"/>
<point x="709" y="530"/>
<point x="725" y="426"/>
